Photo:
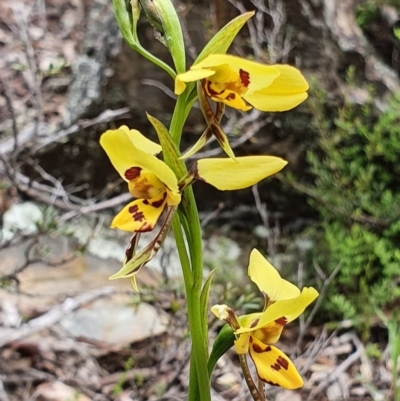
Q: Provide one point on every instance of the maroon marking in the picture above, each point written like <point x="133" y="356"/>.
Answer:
<point x="283" y="362"/>
<point x="146" y="202"/>
<point x="231" y="96"/>
<point x="159" y="202"/>
<point x="257" y="349"/>
<point x="131" y="247"/>
<point x="268" y="349"/>
<point x="254" y="324"/>
<point x="136" y="213"/>
<point x="132" y="173"/>
<point x="244" y="78"/>
<point x="280" y="363"/>
<point x="276" y="367"/>
<point x="282" y="321"/>
<point x="271" y="383"/>
<point x="212" y="92"/>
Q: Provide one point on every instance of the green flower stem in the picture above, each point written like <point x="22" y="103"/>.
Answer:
<point x="134" y="43"/>
<point x="200" y="389"/>
<point x="178" y="119"/>
<point x="192" y="268"/>
<point x="142" y="51"/>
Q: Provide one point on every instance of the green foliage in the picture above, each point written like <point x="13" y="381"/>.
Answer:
<point x="119" y="386"/>
<point x="368" y="11"/>
<point x="356" y="180"/>
<point x="393" y="326"/>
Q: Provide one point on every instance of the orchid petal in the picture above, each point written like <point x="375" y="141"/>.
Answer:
<point x="259" y="75"/>
<point x="268" y="280"/>
<point x="190" y="76"/>
<point x="227" y="174"/>
<point x="284" y="311"/>
<point x="284" y="93"/>
<point x="140" y="215"/>
<point x="124" y="155"/>
<point x="273" y="366"/>
<point x="121" y="143"/>
<point x="242" y="344"/>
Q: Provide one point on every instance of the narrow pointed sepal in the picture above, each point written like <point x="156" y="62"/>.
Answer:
<point x="205" y="137"/>
<point x="222" y="139"/>
<point x="135" y="261"/>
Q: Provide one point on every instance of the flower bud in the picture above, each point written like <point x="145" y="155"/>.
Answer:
<point x="162" y="16"/>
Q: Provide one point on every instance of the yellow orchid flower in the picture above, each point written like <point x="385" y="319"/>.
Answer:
<point x="243" y="84"/>
<point x="255" y="333"/>
<point x="149" y="179"/>
<point x="157" y="188"/>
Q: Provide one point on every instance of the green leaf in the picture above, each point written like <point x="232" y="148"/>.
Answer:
<point x="396" y="33"/>
<point x="205" y="292"/>
<point x="221" y="41"/>
<point x="224" y="341"/>
<point x="170" y="151"/>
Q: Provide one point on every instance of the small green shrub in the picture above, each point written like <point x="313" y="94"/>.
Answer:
<point x="355" y="187"/>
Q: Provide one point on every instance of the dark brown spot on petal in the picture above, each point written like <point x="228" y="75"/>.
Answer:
<point x="244" y="77"/>
<point x="271" y="383"/>
<point x="280" y="363"/>
<point x="158" y="203"/>
<point x="283" y="362"/>
<point x="257" y="349"/>
<point x="210" y="91"/>
<point x="282" y="321"/>
<point x="137" y="215"/>
<point x="231" y="96"/>
<point x="254" y="324"/>
<point x="132" y="173"/>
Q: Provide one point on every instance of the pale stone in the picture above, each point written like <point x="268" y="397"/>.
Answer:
<point x="115" y="321"/>
<point x="21" y="218"/>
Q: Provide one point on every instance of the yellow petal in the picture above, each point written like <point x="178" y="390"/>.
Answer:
<point x="232" y="99"/>
<point x="190" y="76"/>
<point x="260" y="75"/>
<point x="270" y="333"/>
<point x="228" y="174"/>
<point x="284" y="93"/>
<point x="121" y="143"/>
<point x="268" y="280"/>
<point x="140" y="215"/>
<point x="242" y="344"/>
<point x="121" y="148"/>
<point x="273" y="366"/>
<point x="284" y="311"/>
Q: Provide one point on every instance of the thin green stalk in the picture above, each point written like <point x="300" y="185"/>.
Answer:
<point x="142" y="51"/>
<point x="200" y="389"/>
<point x="192" y="267"/>
<point x="178" y="119"/>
